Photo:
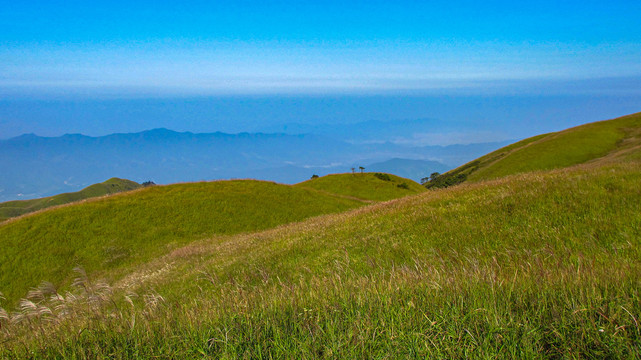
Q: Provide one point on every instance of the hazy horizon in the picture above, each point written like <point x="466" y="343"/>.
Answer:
<point x="512" y="68"/>
<point x="458" y="118"/>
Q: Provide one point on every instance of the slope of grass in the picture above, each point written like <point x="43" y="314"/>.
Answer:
<point x="123" y="230"/>
<point x="366" y="186"/>
<point x="548" y="151"/>
<point x="540" y="265"/>
<point x="543" y="264"/>
<point x="11" y="209"/>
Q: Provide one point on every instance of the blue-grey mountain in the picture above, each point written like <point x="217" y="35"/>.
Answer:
<point x="34" y="166"/>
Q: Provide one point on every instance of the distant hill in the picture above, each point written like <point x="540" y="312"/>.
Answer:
<point x="20" y="207"/>
<point x="407" y="168"/>
<point x="565" y="148"/>
<point x="71" y="162"/>
<point x="411" y="169"/>
<point x="365" y="186"/>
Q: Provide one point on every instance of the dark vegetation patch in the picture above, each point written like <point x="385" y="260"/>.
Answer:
<point x="383" y="177"/>
<point x="453" y="177"/>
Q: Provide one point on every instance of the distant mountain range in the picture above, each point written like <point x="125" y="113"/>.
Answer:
<point x="397" y="132"/>
<point x="34" y="166"/>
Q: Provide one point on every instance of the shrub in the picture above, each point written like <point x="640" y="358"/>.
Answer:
<point x="453" y="177"/>
<point x="403" y="186"/>
<point x="383" y="177"/>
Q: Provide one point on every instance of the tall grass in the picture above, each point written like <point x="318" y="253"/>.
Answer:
<point x="540" y="265"/>
<point x="112" y="235"/>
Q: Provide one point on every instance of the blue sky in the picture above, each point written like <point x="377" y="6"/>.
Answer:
<point x="214" y="47"/>
<point x="124" y="66"/>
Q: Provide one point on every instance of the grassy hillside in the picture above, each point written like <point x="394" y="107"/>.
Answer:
<point x="11" y="209"/>
<point x="549" y="151"/>
<point x="542" y="265"/>
<point x="121" y="231"/>
<point x="366" y="186"/>
<point x="111" y="235"/>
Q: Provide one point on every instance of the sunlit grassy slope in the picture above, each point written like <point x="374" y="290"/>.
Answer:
<point x="550" y="151"/>
<point x="366" y="186"/>
<point x="126" y="229"/>
<point x="543" y="264"/>
<point x="540" y="265"/>
<point x="116" y="233"/>
<point x="11" y="209"/>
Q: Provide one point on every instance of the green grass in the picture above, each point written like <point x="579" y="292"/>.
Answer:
<point x="549" y="151"/>
<point x="11" y="209"/>
<point x="110" y="236"/>
<point x="121" y="231"/>
<point x="543" y="264"/>
<point x="365" y="186"/>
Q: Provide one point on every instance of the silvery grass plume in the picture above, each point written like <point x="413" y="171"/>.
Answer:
<point x="33" y="306"/>
<point x="152" y="302"/>
<point x="4" y="316"/>
<point x="44" y="306"/>
<point x="95" y="294"/>
<point x="42" y="292"/>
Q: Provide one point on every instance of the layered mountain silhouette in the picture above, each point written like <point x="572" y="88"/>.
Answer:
<point x="34" y="166"/>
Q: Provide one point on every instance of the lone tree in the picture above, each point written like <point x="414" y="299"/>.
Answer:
<point x="314" y="176"/>
<point x="432" y="177"/>
<point x="361" y="168"/>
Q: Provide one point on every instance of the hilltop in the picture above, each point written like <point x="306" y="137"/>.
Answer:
<point x="365" y="186"/>
<point x="542" y="263"/>
<point x="573" y="146"/>
<point x="11" y="209"/>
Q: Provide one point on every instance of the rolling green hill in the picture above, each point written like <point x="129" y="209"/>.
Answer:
<point x="366" y="186"/>
<point x="124" y="230"/>
<point x="549" y="151"/>
<point x="543" y="264"/>
<point x="119" y="232"/>
<point x="11" y="209"/>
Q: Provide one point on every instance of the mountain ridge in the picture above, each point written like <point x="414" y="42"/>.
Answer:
<point x="71" y="162"/>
